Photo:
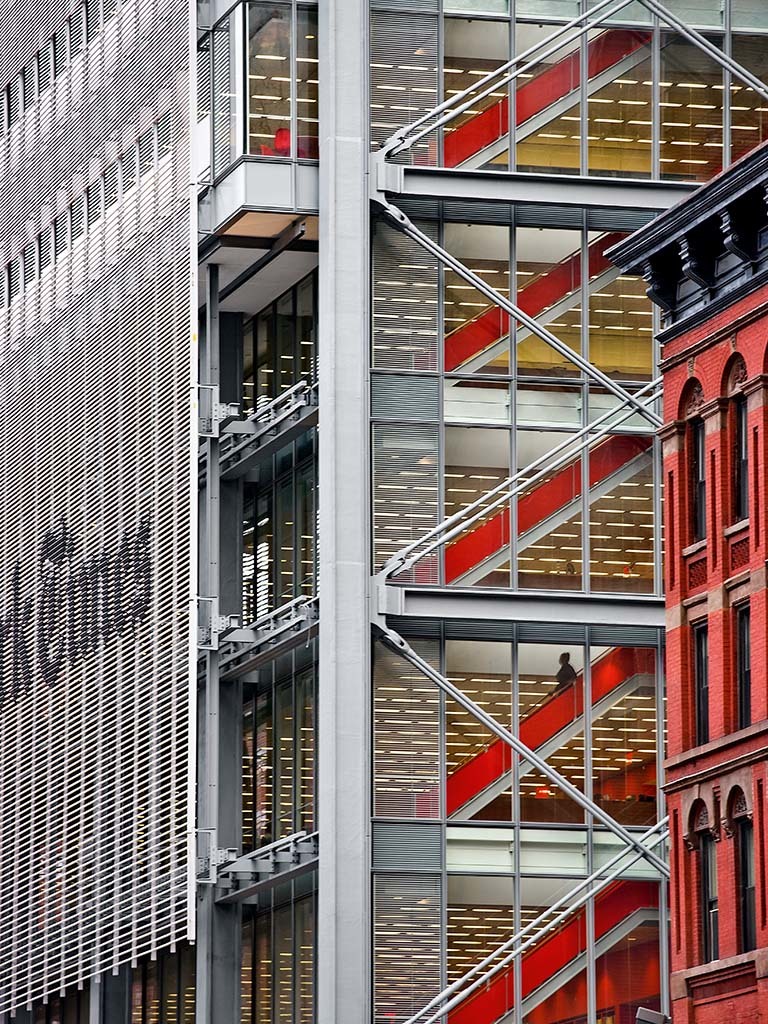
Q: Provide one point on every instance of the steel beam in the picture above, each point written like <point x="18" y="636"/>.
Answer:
<point x="343" y="798"/>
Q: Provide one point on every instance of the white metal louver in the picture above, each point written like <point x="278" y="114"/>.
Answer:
<point x="96" y="477"/>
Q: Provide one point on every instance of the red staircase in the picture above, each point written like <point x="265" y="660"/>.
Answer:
<point x="618" y="902"/>
<point x="539" y="504"/>
<point x="493" y="324"/>
<point x="546" y="721"/>
<point x="539" y="93"/>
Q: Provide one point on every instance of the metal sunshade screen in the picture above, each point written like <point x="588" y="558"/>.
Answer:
<point x="96" y="563"/>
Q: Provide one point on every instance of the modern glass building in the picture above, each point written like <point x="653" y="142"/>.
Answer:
<point x="332" y="636"/>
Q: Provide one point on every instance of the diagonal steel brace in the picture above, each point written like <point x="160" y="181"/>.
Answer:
<point x="404" y="224"/>
<point x="401" y="646"/>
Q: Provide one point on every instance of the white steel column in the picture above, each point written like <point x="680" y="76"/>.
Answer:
<point x="343" y="938"/>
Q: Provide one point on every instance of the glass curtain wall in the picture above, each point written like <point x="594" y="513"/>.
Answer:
<point x="589" y="105"/>
<point x="591" y="707"/>
<point x="278" y="757"/>
<point x="278" y="955"/>
<point x="270" y="112"/>
<point x="508" y="412"/>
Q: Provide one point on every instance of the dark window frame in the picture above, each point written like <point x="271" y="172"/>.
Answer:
<point x="701" y="681"/>
<point x="743" y="665"/>
<point x="710" y="933"/>
<point x="698" y="480"/>
<point x="740" y="459"/>
<point x="745" y="837"/>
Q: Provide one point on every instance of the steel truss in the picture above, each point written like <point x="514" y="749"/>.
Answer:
<point x="528" y="936"/>
<point x="289" y="626"/>
<point x="401" y="646"/>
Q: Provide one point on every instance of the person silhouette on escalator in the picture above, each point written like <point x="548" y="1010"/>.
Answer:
<point x="565" y="674"/>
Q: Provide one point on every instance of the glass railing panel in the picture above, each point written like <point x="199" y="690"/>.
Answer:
<point x="548" y="405"/>
<point x="473" y="401"/>
<point x="749" y="14"/>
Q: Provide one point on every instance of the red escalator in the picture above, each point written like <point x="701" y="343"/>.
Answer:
<point x="471" y="338"/>
<point x="536" y="95"/>
<point x="543" y="501"/>
<point x="613" y="907"/>
<point x="546" y="721"/>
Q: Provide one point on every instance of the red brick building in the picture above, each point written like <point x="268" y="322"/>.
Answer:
<point x="706" y="265"/>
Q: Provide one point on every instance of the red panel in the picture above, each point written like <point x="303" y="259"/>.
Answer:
<point x="539" y="93"/>
<point x="551" y="955"/>
<point x="546" y="721"/>
<point x="607" y="457"/>
<point x="472" y="337"/>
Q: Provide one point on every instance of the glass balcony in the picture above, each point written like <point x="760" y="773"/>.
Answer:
<point x="270" y="112"/>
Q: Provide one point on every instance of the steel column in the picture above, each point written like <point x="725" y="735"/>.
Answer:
<point x="343" y="934"/>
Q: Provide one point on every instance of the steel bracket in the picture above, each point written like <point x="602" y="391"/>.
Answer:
<point x="213" y="414"/>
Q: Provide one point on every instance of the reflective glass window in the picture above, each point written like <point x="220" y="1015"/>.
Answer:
<point x="269" y="80"/>
<point x="691" y="111"/>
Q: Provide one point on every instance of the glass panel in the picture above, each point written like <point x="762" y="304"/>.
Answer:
<point x="170" y="971"/>
<point x="306" y="82"/>
<point x="624" y="732"/>
<point x="286" y="534"/>
<point x="284" y="964"/>
<point x="620" y="321"/>
<point x="627" y="974"/>
<point x="699" y="12"/>
<point x="476" y="460"/>
<point x="187" y="985"/>
<point x="549" y="515"/>
<point x="619" y="111"/>
<point x="478" y="763"/>
<point x="284" y="767"/>
<point x="305" y="749"/>
<point x="479" y="137"/>
<point x="476" y="331"/>
<point x="305" y="960"/>
<point x="305" y="328"/>
<point x="405" y="492"/>
<point x="480" y="919"/>
<point x="548" y="110"/>
<point x="479" y="6"/>
<point x="551" y="709"/>
<point x="305" y="526"/>
<point x="546" y="9"/>
<point x="691" y="111"/>
<point x="405" y="301"/>
<point x="263" y="960"/>
<point x="621" y="514"/>
<point x="749" y="111"/>
<point x="284" y="329"/>
<point x="246" y="971"/>
<point x="549" y="289"/>
<point x="151" y="993"/>
<point x="269" y="80"/>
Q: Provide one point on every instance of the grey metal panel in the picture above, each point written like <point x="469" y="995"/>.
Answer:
<point x="627" y="636"/>
<point x="469" y="629"/>
<point x="403" y="397"/>
<point x="407" y="846"/>
<point x="96" y="559"/>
